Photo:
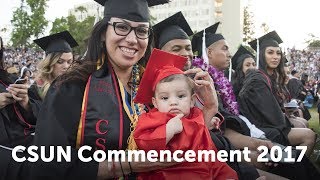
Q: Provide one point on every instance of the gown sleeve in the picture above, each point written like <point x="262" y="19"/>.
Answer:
<point x="57" y="126"/>
<point x="150" y="133"/>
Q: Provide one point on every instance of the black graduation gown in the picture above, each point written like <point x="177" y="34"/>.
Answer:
<point x="232" y="122"/>
<point x="14" y="132"/>
<point x="295" y="88"/>
<point x="258" y="104"/>
<point x="58" y="125"/>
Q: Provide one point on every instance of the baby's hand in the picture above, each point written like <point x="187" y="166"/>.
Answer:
<point x="175" y="124"/>
<point x="214" y="123"/>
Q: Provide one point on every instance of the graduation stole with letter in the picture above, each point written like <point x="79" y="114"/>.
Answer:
<point x="105" y="116"/>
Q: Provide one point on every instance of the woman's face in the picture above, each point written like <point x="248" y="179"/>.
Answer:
<point x="248" y="63"/>
<point x="125" y="51"/>
<point x="62" y="65"/>
<point x="181" y="47"/>
<point x="273" y="57"/>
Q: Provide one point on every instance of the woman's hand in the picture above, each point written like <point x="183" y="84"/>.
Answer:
<point x="19" y="93"/>
<point x="204" y="88"/>
<point x="5" y="99"/>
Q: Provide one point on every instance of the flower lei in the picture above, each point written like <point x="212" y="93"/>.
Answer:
<point x="223" y="84"/>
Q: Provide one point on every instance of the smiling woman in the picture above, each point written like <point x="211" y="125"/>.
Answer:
<point x="93" y="103"/>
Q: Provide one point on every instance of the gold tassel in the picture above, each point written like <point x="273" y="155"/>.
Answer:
<point x="131" y="143"/>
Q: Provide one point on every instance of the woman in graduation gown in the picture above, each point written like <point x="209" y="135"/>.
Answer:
<point x="58" y="59"/>
<point x="259" y="97"/>
<point x="18" y="110"/>
<point x="19" y="107"/>
<point x="93" y="104"/>
<point x="242" y="60"/>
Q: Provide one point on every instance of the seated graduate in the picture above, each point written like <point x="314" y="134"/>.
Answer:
<point x="258" y="98"/>
<point x="174" y="123"/>
<point x="242" y="60"/>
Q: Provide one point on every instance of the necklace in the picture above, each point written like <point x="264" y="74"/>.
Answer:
<point x="136" y="108"/>
<point x="223" y="85"/>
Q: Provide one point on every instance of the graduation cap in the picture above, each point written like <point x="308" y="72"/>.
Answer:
<point x="271" y="38"/>
<point x="240" y="56"/>
<point x="174" y="27"/>
<point x="210" y="37"/>
<point x="161" y="64"/>
<point x="59" y="42"/>
<point x="134" y="10"/>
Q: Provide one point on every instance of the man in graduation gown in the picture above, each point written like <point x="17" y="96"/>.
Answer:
<point x="296" y="87"/>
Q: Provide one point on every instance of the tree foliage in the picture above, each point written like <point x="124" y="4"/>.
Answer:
<point x="80" y="30"/>
<point x="38" y="22"/>
<point x="313" y="41"/>
<point x="21" y="26"/>
<point x="248" y="25"/>
<point x="28" y="21"/>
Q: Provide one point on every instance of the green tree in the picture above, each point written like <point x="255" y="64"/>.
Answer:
<point x="59" y="24"/>
<point x="81" y="9"/>
<point x="313" y="41"/>
<point x="248" y="25"/>
<point x="38" y="22"/>
<point x="80" y="30"/>
<point x="28" y="21"/>
<point x="21" y="26"/>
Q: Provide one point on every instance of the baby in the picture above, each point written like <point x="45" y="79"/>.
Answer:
<point x="174" y="123"/>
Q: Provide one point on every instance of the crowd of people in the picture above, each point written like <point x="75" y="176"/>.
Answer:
<point x="125" y="95"/>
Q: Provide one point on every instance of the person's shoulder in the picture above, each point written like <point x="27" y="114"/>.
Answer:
<point x="67" y="90"/>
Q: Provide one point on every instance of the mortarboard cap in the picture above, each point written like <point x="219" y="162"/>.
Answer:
<point x="161" y="64"/>
<point x="59" y="42"/>
<point x="133" y="10"/>
<point x="174" y="27"/>
<point x="241" y="54"/>
<point x="211" y="37"/>
<point x="271" y="38"/>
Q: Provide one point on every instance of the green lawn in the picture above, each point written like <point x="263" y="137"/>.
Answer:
<point x="314" y="124"/>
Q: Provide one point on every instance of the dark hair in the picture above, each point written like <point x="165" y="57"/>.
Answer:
<point x="1" y="54"/>
<point x="95" y="53"/>
<point x="293" y="72"/>
<point x="238" y="76"/>
<point x="278" y="78"/>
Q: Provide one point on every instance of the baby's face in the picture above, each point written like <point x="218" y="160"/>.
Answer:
<point x="174" y="97"/>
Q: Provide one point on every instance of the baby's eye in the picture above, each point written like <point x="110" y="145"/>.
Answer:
<point x="181" y="96"/>
<point x="164" y="98"/>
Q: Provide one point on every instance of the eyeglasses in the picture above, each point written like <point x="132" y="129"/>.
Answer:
<point x="123" y="29"/>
